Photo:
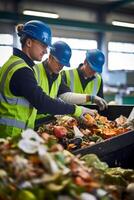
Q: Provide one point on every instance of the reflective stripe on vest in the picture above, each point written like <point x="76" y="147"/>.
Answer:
<point x="3" y="98"/>
<point x="94" y="92"/>
<point x="5" y="74"/>
<point x="71" y="76"/>
<point x="71" y="80"/>
<point x="10" y="122"/>
<point x="13" y="101"/>
<point x="20" y="101"/>
<point x="44" y="84"/>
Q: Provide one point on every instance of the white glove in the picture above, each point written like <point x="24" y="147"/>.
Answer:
<point x="99" y="101"/>
<point x="85" y="110"/>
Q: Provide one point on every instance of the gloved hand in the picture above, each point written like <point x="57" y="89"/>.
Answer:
<point x="99" y="101"/>
<point x="80" y="111"/>
<point x="85" y="110"/>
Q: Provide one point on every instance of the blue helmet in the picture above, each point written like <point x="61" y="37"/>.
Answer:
<point x="38" y="31"/>
<point x="96" y="59"/>
<point x="62" y="52"/>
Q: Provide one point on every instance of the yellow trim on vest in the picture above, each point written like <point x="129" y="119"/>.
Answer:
<point x="75" y="84"/>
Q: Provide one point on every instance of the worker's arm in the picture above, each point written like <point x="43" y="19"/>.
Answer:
<point x="66" y="95"/>
<point x="75" y="98"/>
<point x="23" y="83"/>
<point x="80" y="99"/>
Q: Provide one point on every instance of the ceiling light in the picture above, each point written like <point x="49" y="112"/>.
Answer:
<point x="40" y="14"/>
<point x="124" y="24"/>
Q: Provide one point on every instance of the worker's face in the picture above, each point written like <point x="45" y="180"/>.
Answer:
<point x="88" y="70"/>
<point x="54" y="65"/>
<point x="35" y="49"/>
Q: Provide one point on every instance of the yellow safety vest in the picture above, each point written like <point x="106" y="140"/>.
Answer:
<point x="45" y="86"/>
<point x="73" y="81"/>
<point x="16" y="113"/>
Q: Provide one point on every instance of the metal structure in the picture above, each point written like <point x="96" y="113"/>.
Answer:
<point x="101" y="7"/>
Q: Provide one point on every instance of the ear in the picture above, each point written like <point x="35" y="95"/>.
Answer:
<point x="29" y="42"/>
<point x="50" y="57"/>
<point x="85" y="62"/>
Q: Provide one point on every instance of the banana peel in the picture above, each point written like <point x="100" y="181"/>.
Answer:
<point x="53" y="187"/>
<point x="50" y="178"/>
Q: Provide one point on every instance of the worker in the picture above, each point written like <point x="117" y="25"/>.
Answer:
<point x="87" y="77"/>
<point x="20" y="94"/>
<point x="52" y="82"/>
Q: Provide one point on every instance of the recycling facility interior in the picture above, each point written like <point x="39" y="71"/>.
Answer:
<point x="83" y="24"/>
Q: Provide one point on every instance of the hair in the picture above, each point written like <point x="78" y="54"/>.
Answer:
<point x="23" y="36"/>
<point x="80" y="65"/>
<point x="19" y="29"/>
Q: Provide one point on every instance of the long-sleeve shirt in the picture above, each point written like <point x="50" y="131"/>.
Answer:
<point x="23" y="83"/>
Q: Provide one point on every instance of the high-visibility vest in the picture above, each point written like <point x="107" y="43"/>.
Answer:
<point x="16" y="113"/>
<point x="44" y="84"/>
<point x="74" y="82"/>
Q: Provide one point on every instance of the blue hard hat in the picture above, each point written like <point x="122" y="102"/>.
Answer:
<point x="39" y="31"/>
<point x="62" y="52"/>
<point x="95" y="59"/>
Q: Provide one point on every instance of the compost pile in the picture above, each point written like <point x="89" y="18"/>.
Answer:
<point x="75" y="133"/>
<point x="40" y="169"/>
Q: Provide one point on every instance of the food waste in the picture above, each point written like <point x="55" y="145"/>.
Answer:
<point x="74" y="133"/>
<point x="37" y="168"/>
